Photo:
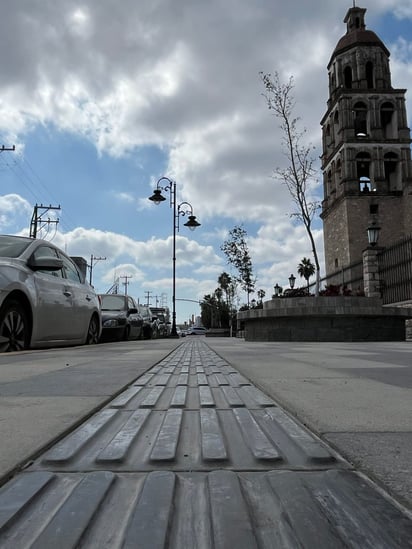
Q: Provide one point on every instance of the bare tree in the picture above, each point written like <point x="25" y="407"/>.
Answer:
<point x="300" y="171"/>
<point x="237" y="253"/>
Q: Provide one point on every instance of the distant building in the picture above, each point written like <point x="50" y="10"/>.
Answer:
<point x="82" y="264"/>
<point x="366" y="160"/>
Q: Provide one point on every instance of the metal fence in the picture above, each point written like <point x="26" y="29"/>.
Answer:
<point x="395" y="272"/>
<point x="350" y="277"/>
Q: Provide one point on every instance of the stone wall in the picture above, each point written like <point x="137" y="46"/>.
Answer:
<point x="338" y="318"/>
<point x="408" y="324"/>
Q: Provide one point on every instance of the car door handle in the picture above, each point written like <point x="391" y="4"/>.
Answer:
<point x="88" y="298"/>
<point x="67" y="294"/>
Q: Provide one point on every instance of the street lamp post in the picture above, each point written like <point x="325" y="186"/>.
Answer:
<point x="373" y="233"/>
<point x="184" y="208"/>
<point x="277" y="289"/>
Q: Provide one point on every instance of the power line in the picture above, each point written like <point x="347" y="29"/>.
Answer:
<point x="21" y="168"/>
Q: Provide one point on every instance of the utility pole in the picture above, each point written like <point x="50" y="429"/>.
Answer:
<point x="148" y="297"/>
<point x="3" y="148"/>
<point x="37" y="222"/>
<point x="114" y="289"/>
<point x="126" y="283"/>
<point x="93" y="261"/>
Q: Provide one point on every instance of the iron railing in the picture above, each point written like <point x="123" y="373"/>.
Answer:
<point x="395" y="271"/>
<point x="350" y="277"/>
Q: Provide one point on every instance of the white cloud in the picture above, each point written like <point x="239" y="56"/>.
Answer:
<point x="182" y="76"/>
<point x="13" y="211"/>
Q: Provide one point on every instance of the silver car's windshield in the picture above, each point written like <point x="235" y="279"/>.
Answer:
<point x="13" y="246"/>
<point x="112" y="302"/>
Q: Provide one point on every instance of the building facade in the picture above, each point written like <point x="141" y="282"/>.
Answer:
<point x="366" y="160"/>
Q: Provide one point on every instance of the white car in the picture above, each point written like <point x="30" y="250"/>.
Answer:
<point x="45" y="300"/>
<point x="197" y="330"/>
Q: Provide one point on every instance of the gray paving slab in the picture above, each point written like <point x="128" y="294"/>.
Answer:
<point x="43" y="394"/>
<point x="355" y="395"/>
<point x="385" y="457"/>
<point x="216" y="509"/>
<point x="226" y="467"/>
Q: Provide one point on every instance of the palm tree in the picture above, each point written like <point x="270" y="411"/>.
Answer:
<point x="306" y="269"/>
<point x="261" y="294"/>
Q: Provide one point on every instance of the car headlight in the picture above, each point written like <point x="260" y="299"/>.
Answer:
<point x="111" y="323"/>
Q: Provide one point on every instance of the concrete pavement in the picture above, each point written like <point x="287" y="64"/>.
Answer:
<point x="45" y="394"/>
<point x="357" y="397"/>
<point x="193" y="454"/>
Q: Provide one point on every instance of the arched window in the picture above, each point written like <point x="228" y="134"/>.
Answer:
<point x="360" y="112"/>
<point x="390" y="162"/>
<point x="347" y="74"/>
<point x="363" y="160"/>
<point x="387" y="120"/>
<point x="370" y="80"/>
<point x="336" y="125"/>
<point x="329" y="185"/>
<point x="338" y="171"/>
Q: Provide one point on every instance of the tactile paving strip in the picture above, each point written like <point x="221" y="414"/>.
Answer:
<point x="191" y="412"/>
<point x="216" y="510"/>
<point x="193" y="456"/>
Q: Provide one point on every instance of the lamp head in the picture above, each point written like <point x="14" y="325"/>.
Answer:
<point x="157" y="197"/>
<point x="373" y="234"/>
<point x="192" y="223"/>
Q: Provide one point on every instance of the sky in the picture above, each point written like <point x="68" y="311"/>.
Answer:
<point x="103" y="98"/>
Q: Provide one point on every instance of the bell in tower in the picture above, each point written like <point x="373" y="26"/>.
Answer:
<point x="366" y="159"/>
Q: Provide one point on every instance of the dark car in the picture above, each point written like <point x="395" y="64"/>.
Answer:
<point x="120" y="318"/>
<point x="45" y="300"/>
<point x="150" y="322"/>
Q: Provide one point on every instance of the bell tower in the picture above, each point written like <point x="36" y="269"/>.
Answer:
<point x="366" y="160"/>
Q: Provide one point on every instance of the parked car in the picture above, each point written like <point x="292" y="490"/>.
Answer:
<point x="120" y="318"/>
<point x="163" y="317"/>
<point x="45" y="300"/>
<point x="150" y="322"/>
<point x="163" y="325"/>
<point x="196" y="330"/>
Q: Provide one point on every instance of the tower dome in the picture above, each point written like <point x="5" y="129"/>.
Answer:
<point x="356" y="34"/>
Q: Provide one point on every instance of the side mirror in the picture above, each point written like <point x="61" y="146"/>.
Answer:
<point x="45" y="263"/>
<point x="132" y="311"/>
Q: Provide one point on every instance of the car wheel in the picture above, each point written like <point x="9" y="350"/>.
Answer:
<point x="93" y="331"/>
<point x="14" y="328"/>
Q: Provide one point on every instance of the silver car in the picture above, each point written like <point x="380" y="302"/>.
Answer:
<point x="45" y="300"/>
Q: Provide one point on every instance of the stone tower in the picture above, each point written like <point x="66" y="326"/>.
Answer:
<point x="366" y="160"/>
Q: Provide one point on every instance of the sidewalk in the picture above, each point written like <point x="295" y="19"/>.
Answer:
<point x="191" y="453"/>
<point x="44" y="394"/>
<point x="356" y="396"/>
